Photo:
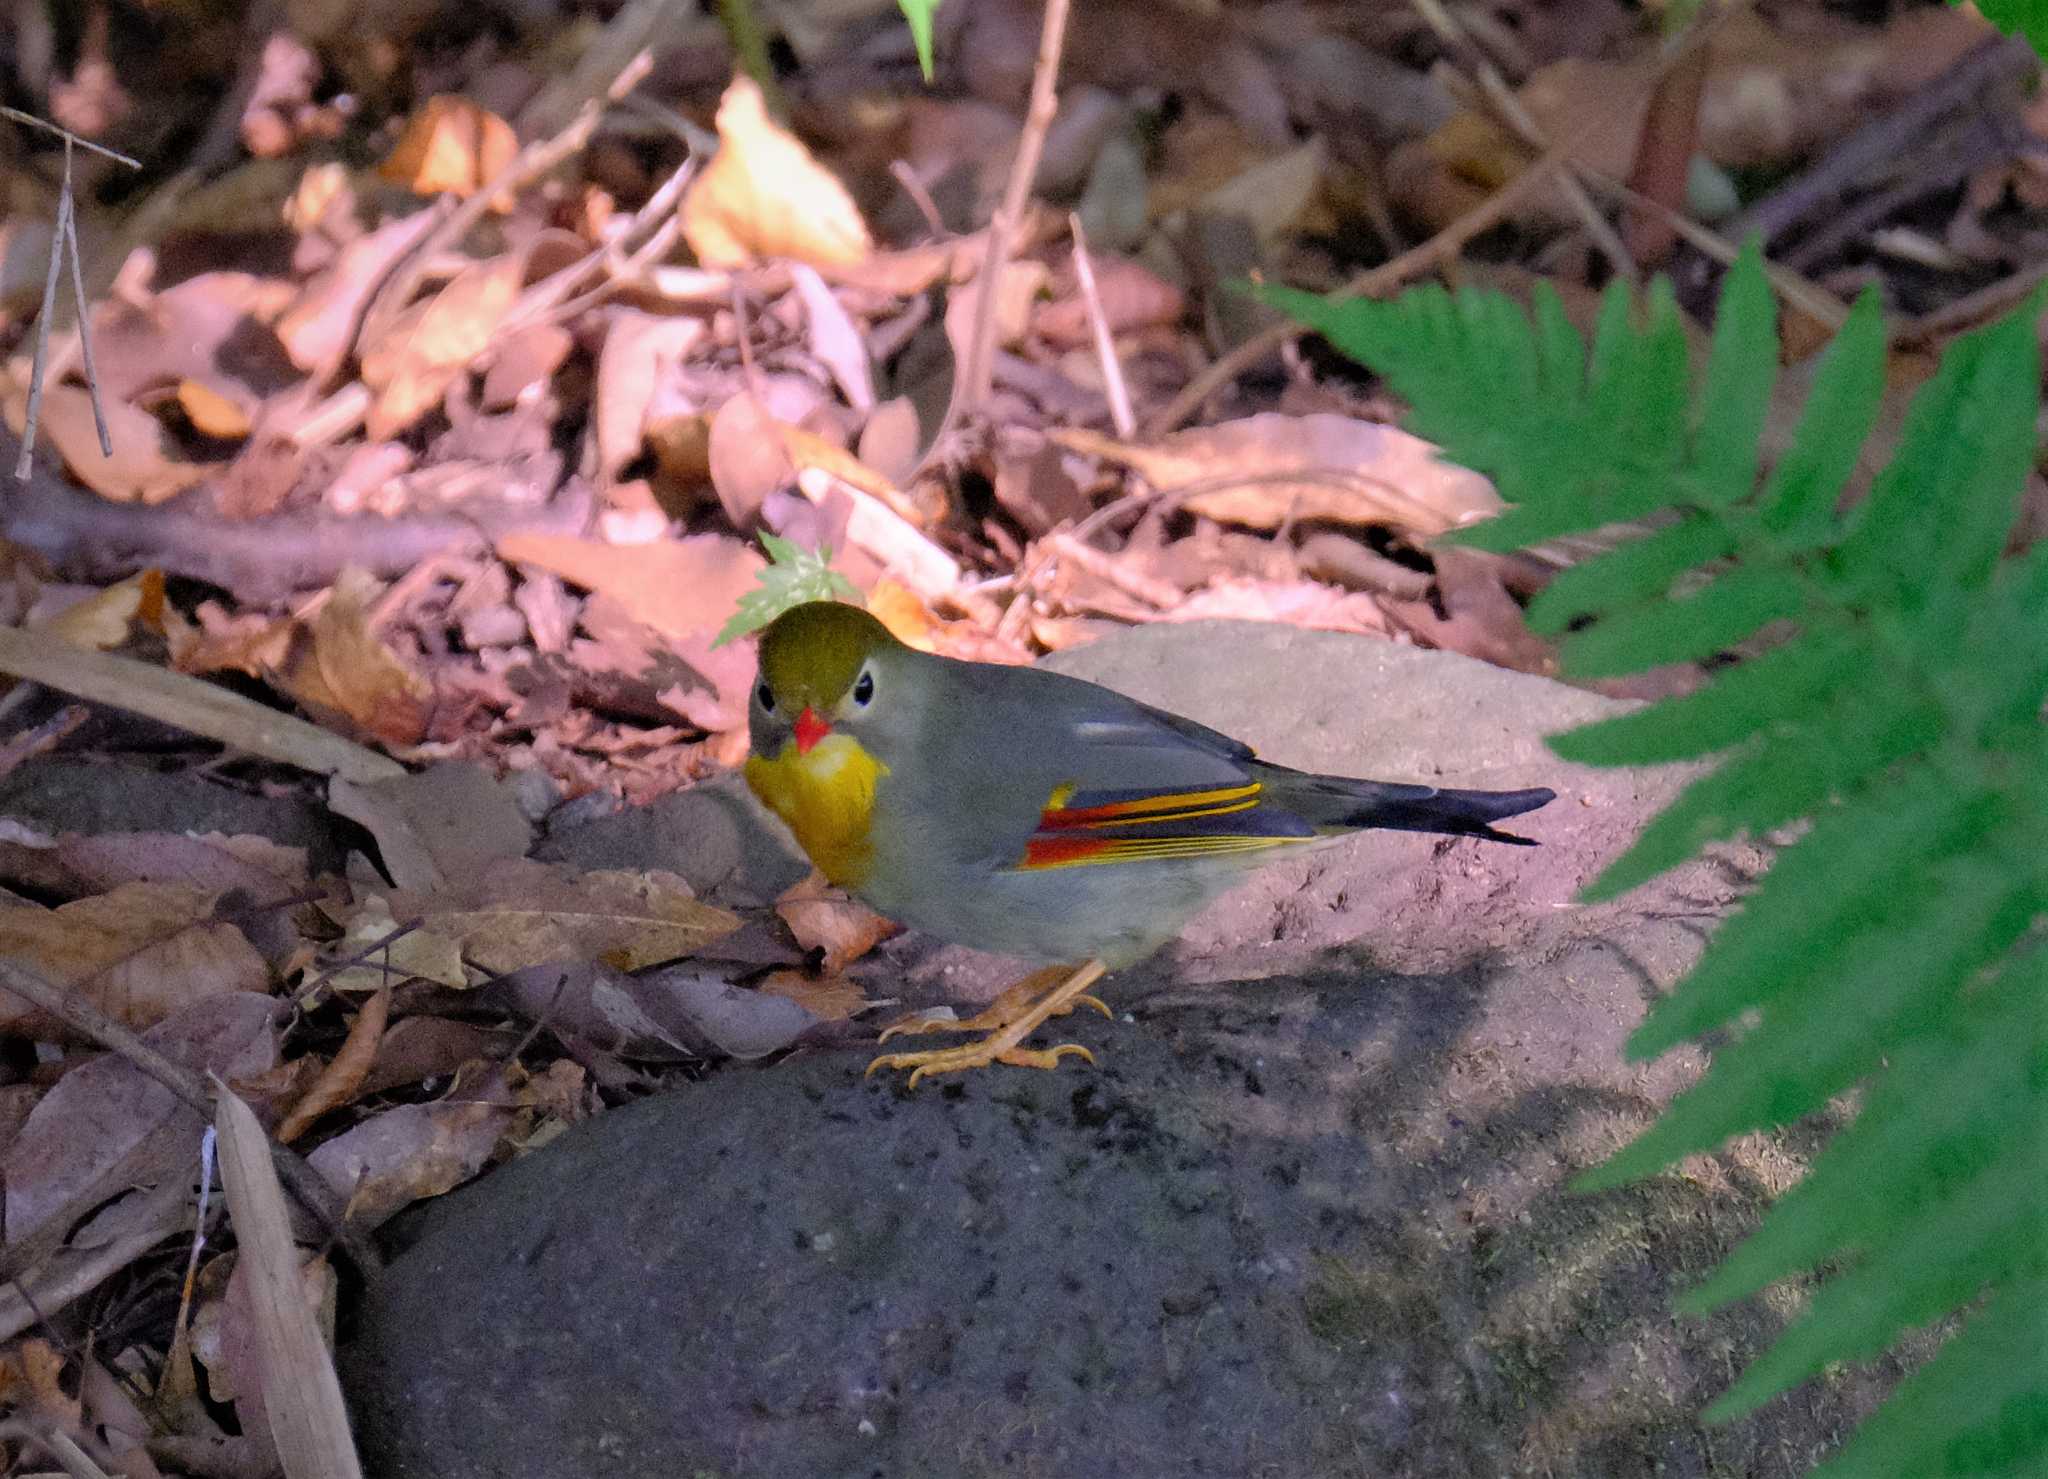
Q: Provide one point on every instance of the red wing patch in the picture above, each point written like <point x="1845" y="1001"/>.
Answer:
<point x="1082" y="827"/>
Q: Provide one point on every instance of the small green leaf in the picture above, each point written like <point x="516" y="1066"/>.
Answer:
<point x="1939" y="513"/>
<point x="1631" y="572"/>
<point x="1979" y="1407"/>
<point x="920" y="13"/>
<point x="1736" y="394"/>
<point x="792" y="576"/>
<point x="1839" y="880"/>
<point x="1799" y="499"/>
<point x="2028" y="18"/>
<point x="1730" y="608"/>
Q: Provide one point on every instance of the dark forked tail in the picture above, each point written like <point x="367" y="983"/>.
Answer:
<point x="1336" y="804"/>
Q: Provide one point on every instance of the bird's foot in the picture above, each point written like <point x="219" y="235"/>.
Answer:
<point x="976" y="1055"/>
<point x="1008" y="1020"/>
<point x="1005" y="1009"/>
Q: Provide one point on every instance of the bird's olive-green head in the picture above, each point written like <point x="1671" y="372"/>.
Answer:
<point x="825" y="666"/>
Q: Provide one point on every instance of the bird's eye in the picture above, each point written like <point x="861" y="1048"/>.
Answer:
<point x="765" y="696"/>
<point x="864" y="689"/>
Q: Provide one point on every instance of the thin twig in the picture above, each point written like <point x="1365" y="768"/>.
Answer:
<point x="1374" y="283"/>
<point x="919" y="196"/>
<point x="29" y="120"/>
<point x="973" y="375"/>
<point x="1501" y="101"/>
<point x="1105" y="346"/>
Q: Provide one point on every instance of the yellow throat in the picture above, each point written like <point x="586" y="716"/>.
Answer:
<point x="826" y="797"/>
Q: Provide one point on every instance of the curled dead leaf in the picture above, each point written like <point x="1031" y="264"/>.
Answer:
<point x="451" y="145"/>
<point x="822" y="918"/>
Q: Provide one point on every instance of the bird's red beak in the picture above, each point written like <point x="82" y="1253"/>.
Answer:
<point x="811" y="726"/>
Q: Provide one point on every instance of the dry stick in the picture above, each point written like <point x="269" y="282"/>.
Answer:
<point x="75" y="1011"/>
<point x="1884" y="140"/>
<point x="1507" y="108"/>
<point x="919" y="196"/>
<point x="1098" y="324"/>
<point x="1374" y="283"/>
<point x="25" y="464"/>
<point x="1801" y="292"/>
<point x="972" y="376"/>
<point x="1971" y="308"/>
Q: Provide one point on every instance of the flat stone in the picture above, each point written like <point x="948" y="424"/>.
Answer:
<point x="1308" y="1217"/>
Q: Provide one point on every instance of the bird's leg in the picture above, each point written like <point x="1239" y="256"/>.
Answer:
<point x="1001" y="1045"/>
<point x="1001" y="1012"/>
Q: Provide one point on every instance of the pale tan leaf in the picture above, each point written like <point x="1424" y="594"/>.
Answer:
<point x="822" y="918"/>
<point x="138" y="953"/>
<point x="1264" y="470"/>
<point x="764" y="196"/>
<point x="108" y="618"/>
<point x="639" y="349"/>
<point x="302" y="1396"/>
<point x="344" y="671"/>
<point x="141" y="469"/>
<point x="522" y="913"/>
<point x="424" y="952"/>
<point x="413" y="363"/>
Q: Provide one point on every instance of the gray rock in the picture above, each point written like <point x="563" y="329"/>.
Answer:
<point x="1308" y="1217"/>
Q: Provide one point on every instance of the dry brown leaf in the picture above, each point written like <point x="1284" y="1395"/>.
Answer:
<point x="640" y="349"/>
<point x="415" y="1151"/>
<point x="423" y="952"/>
<point x="109" y="1117"/>
<point x="77" y="863"/>
<point x="439" y="823"/>
<point x="834" y="338"/>
<point x="523" y="360"/>
<point x="682" y="588"/>
<point x="318" y="331"/>
<point x="765" y="196"/>
<point x="520" y="913"/>
<point x="345" y="1072"/>
<point x="1273" y="468"/>
<point x="294" y="1371"/>
<point x="30" y="1380"/>
<point x="822" y="918"/>
<point x="1022" y="283"/>
<point x="107" y="619"/>
<point x="247" y="642"/>
<point x="341" y="671"/>
<point x="413" y="363"/>
<point x="212" y="413"/>
<point x="141" y="469"/>
<point x="416" y="1049"/>
<point x="828" y="998"/>
<point x="747" y="458"/>
<point x="1301" y="603"/>
<point x="1132" y="297"/>
<point x="139" y="954"/>
<point x="451" y="144"/>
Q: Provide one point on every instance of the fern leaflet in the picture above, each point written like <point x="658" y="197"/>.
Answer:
<point x="1896" y="665"/>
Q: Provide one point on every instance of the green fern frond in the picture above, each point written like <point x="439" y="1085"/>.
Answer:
<point x="1894" y="667"/>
